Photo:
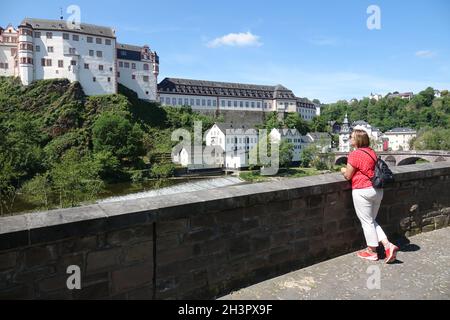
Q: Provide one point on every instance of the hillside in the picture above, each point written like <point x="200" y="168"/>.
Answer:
<point x="58" y="145"/>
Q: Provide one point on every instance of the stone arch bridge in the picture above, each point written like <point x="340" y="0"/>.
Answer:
<point x="401" y="158"/>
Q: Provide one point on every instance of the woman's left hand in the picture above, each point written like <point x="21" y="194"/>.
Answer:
<point x="343" y="170"/>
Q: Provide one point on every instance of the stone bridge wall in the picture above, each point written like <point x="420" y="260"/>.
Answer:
<point x="206" y="244"/>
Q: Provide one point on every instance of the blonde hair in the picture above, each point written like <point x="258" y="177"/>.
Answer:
<point x="362" y="139"/>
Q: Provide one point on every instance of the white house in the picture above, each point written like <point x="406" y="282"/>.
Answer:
<point x="399" y="138"/>
<point x="292" y="136"/>
<point x="236" y="141"/>
<point x="375" y="96"/>
<point x="322" y="140"/>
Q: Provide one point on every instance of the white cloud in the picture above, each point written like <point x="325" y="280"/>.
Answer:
<point x="236" y="40"/>
<point x="425" y="54"/>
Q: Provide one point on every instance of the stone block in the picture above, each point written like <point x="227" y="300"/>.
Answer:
<point x="131" y="278"/>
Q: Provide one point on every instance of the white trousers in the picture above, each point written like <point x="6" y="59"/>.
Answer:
<point x="367" y="202"/>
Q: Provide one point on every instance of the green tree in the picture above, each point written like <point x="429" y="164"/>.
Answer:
<point x="76" y="179"/>
<point x="286" y="154"/>
<point x="115" y="133"/>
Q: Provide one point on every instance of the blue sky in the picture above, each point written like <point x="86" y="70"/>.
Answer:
<point x="319" y="49"/>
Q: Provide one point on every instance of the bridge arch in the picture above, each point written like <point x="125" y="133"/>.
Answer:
<point x="391" y="161"/>
<point x="341" y="161"/>
<point x="410" y="160"/>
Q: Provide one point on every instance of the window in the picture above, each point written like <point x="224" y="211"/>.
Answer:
<point x="133" y="76"/>
<point x="42" y="62"/>
<point x="229" y="104"/>
<point x="37" y="34"/>
<point x="100" y="67"/>
<point x="94" y="79"/>
<point x="50" y="49"/>
<point x="108" y="42"/>
<point x="98" y="40"/>
<point x="214" y="103"/>
<point x="167" y="100"/>
<point x="192" y="102"/>
<point x="14" y="52"/>
<point x="186" y="102"/>
<point x="198" y="102"/>
<point x="174" y="101"/>
<point x="90" y="40"/>
<point x="203" y="102"/>
<point x="38" y="49"/>
<point x="126" y="64"/>
<point x="253" y="104"/>
<point x="222" y="103"/>
<point x="146" y="68"/>
<point x="241" y="104"/>
<point x="109" y="79"/>
<point x="49" y="35"/>
<point x="86" y="65"/>
<point x="73" y="63"/>
<point x="99" y="54"/>
<point x="247" y="104"/>
<point x="65" y="36"/>
<point x="258" y="105"/>
<point x="145" y="78"/>
<point x="235" y="104"/>
<point x="118" y="74"/>
<point x="75" y="37"/>
<point x="48" y="62"/>
<point x="180" y="101"/>
<point x="133" y="66"/>
<point x="91" y="53"/>
<point x="110" y="69"/>
<point x="72" y="51"/>
<point x="120" y="64"/>
<point x="209" y="103"/>
<point x="60" y="64"/>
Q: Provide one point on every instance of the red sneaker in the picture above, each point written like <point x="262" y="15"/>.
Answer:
<point x="391" y="253"/>
<point x="368" y="255"/>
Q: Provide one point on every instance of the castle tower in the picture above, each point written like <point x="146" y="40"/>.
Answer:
<point x="26" y="63"/>
<point x="344" y="136"/>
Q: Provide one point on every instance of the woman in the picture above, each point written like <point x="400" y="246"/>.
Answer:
<point x="366" y="199"/>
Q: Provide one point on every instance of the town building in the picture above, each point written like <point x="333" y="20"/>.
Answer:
<point x="404" y="95"/>
<point x="212" y="95"/>
<point x="292" y="136"/>
<point x="398" y="139"/>
<point x="322" y="140"/>
<point x="236" y="142"/>
<point x="307" y="109"/>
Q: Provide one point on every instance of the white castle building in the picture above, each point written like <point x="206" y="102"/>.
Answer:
<point x="211" y="95"/>
<point x="90" y="54"/>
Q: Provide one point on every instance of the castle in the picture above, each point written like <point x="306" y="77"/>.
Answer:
<point x="46" y="49"/>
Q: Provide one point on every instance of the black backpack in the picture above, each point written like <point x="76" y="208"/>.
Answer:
<point x="383" y="175"/>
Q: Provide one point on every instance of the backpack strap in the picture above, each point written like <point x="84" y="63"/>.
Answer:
<point x="375" y="164"/>
<point x="369" y="155"/>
